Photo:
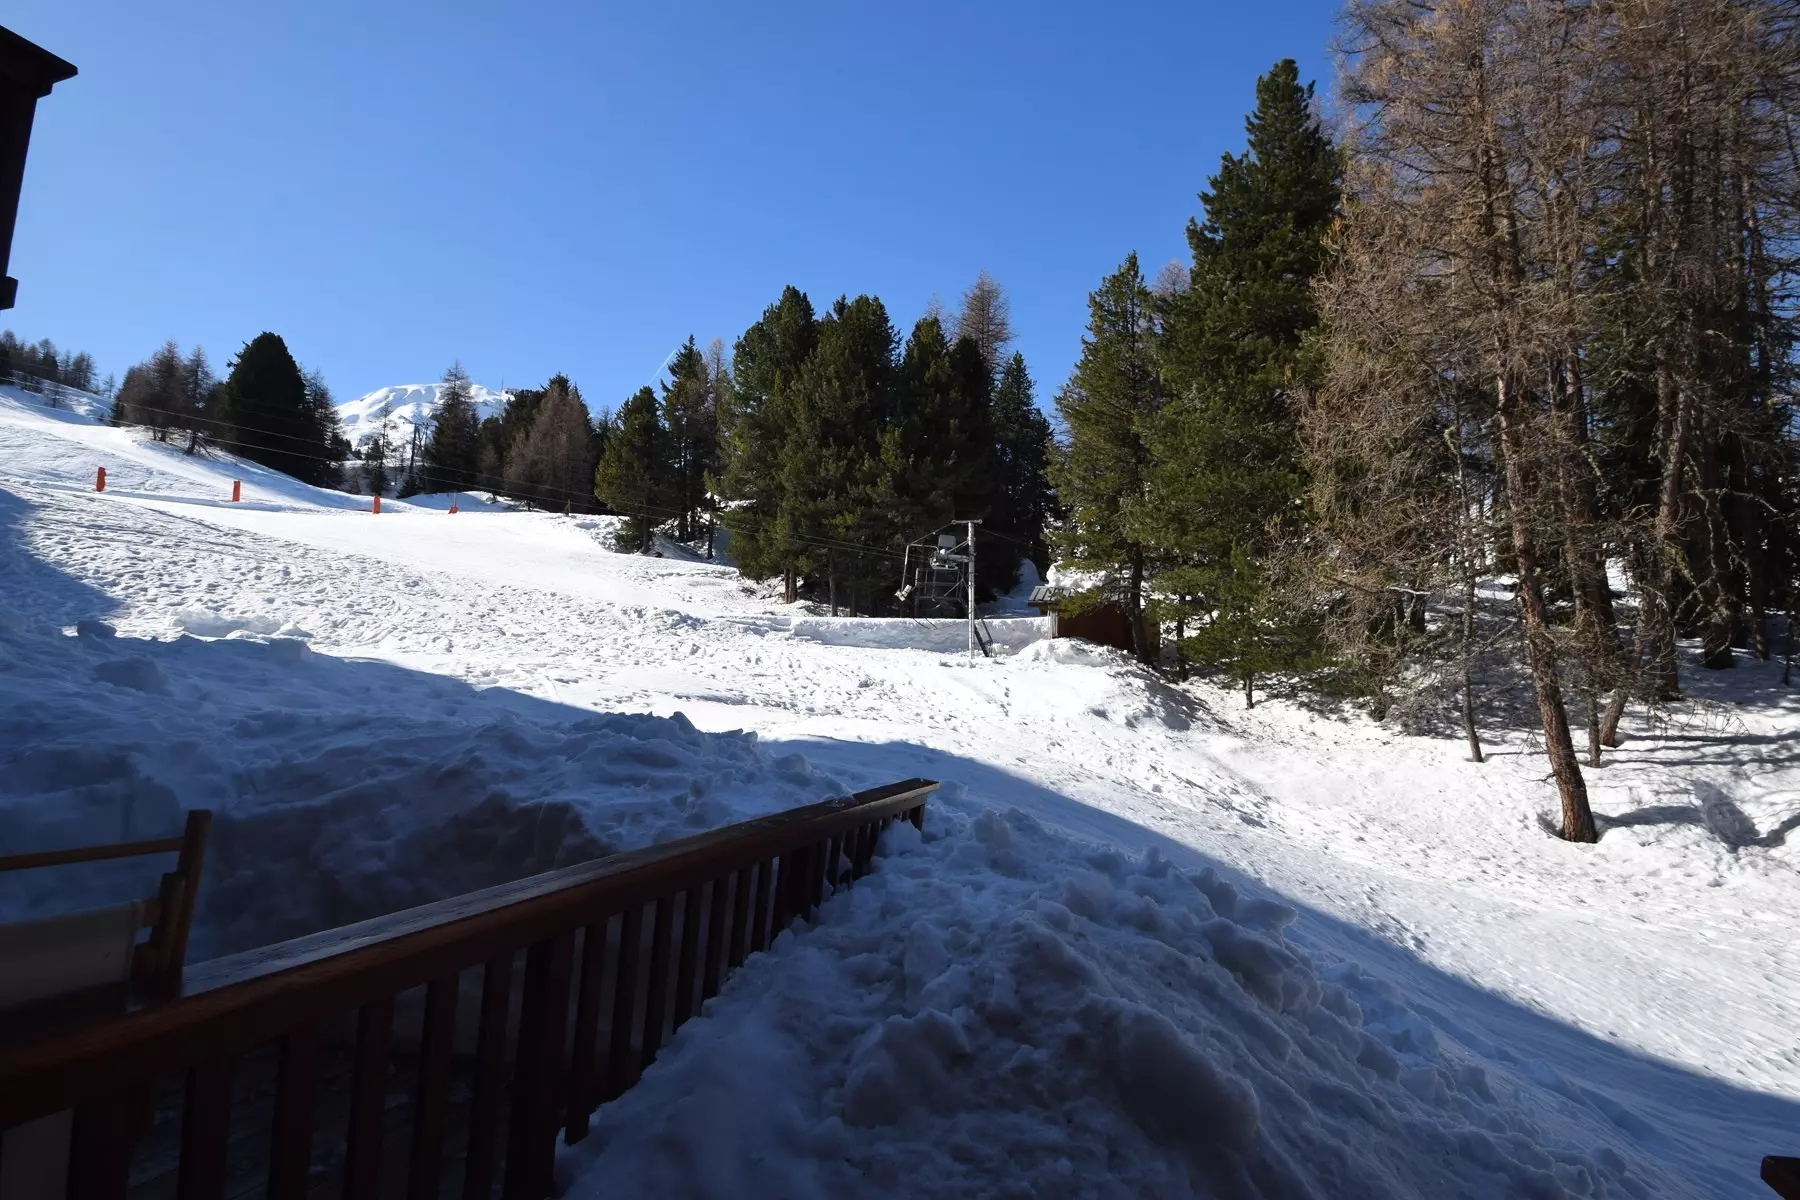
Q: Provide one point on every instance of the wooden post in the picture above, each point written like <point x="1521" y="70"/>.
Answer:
<point x="100" y="479"/>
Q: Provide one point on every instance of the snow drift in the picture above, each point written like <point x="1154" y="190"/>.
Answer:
<point x="998" y="1002"/>
<point x="341" y="790"/>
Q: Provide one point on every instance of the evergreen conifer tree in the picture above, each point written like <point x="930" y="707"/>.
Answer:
<point x="266" y="406"/>
<point x="1023" y="498"/>
<point x="753" y="426"/>
<point x="1227" y="484"/>
<point x="1102" y="470"/>
<point x="452" y="454"/>
<point x="633" y="473"/>
<point x="690" y="407"/>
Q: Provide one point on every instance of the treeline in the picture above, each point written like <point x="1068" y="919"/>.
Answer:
<point x="1531" y="319"/>
<point x="266" y="408"/>
<point x="540" y="448"/>
<point x="828" y="443"/>
<point x="41" y="362"/>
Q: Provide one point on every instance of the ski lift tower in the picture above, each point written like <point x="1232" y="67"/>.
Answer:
<point x="938" y="571"/>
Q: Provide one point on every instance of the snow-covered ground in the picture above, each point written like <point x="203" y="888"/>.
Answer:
<point x="1150" y="944"/>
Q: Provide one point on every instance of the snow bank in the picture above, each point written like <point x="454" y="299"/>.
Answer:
<point x="342" y="790"/>
<point x="1001" y="1010"/>
<point x="1010" y="634"/>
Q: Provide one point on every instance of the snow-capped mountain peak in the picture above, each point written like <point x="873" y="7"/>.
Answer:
<point x="407" y="404"/>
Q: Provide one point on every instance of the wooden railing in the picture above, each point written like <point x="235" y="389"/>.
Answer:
<point x="617" y="953"/>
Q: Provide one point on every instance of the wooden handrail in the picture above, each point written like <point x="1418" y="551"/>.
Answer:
<point x="78" y="854"/>
<point x="230" y="1005"/>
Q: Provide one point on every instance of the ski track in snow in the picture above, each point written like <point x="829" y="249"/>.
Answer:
<point x="1674" y="938"/>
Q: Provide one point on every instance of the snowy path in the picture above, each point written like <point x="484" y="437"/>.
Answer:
<point x="1671" y="942"/>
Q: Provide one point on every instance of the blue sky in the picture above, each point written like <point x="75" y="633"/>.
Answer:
<point x="534" y="187"/>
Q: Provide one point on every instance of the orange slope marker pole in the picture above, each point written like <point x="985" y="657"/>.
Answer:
<point x="100" y="479"/>
<point x="376" y="507"/>
<point x="237" y="490"/>
<point x="453" y="506"/>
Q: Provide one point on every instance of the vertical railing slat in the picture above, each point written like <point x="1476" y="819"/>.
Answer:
<point x="543" y="1030"/>
<point x="816" y="875"/>
<point x="296" y="1091"/>
<point x="785" y="894"/>
<point x="762" y="914"/>
<point x="368" y="1100"/>
<point x="620" y="1063"/>
<point x="741" y="915"/>
<point x="720" y="935"/>
<point x="585" y="1068"/>
<point x="205" y="1130"/>
<point x="687" y="962"/>
<point x="432" y="1095"/>
<point x="656" y="996"/>
<point x="100" y="1154"/>
<point x="490" y="1077"/>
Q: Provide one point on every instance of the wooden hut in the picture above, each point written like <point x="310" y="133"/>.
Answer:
<point x="1106" y="623"/>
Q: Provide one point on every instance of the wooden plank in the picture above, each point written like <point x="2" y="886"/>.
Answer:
<point x="368" y="1100"/>
<point x="784" y="893"/>
<point x="205" y="1130"/>
<point x="296" y="1091"/>
<point x="818" y="868"/>
<point x="656" y="995"/>
<point x="762" y="917"/>
<point x="232" y="1004"/>
<point x="543" y="1029"/>
<point x="80" y="854"/>
<point x="741" y="915"/>
<point x="584" y="1071"/>
<point x="1783" y="1175"/>
<point x="431" y="1099"/>
<point x="720" y="934"/>
<point x="490" y="1077"/>
<point x="621" y="1061"/>
<point x="687" y="961"/>
<point x="100" y="1154"/>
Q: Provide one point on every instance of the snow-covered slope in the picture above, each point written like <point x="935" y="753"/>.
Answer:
<point x="407" y="405"/>
<point x="1149" y="944"/>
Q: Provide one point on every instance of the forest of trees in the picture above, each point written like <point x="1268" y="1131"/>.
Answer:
<point x="34" y="364"/>
<point x="1529" y="318"/>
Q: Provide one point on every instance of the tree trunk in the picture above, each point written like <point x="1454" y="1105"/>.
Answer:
<point x="790" y="587"/>
<point x="831" y="579"/>
<point x="1134" y="605"/>
<point x="1468" y="667"/>
<point x="1249" y="689"/>
<point x="1578" y="818"/>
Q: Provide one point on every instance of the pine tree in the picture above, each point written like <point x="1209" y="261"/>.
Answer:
<point x="452" y="454"/>
<point x="754" y="426"/>
<point x="198" y="385"/>
<point x="1023" y="499"/>
<point x="633" y="473"/>
<point x="690" y="407"/>
<point x="1226" y="486"/>
<point x="267" y="409"/>
<point x="827" y="463"/>
<point x="1101" y="471"/>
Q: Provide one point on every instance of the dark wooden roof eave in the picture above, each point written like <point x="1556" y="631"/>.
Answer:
<point x="30" y="67"/>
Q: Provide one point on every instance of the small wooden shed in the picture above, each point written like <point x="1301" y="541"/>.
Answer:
<point x="27" y="73"/>
<point x="1106" y="623"/>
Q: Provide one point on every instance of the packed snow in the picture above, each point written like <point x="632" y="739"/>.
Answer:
<point x="1148" y="944"/>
